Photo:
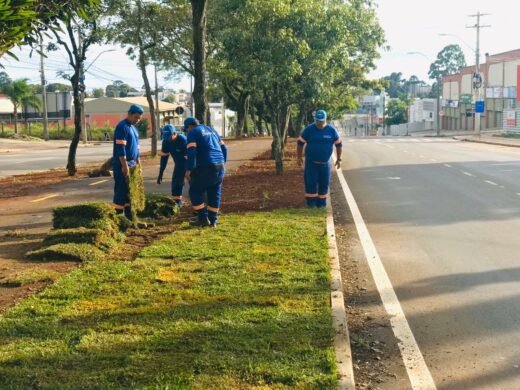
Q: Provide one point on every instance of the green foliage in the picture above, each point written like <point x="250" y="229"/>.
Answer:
<point x="118" y="89"/>
<point x="123" y="222"/>
<point x="449" y="61"/>
<point x="142" y="128"/>
<point x="159" y="206"/>
<point x="246" y="306"/>
<point x="136" y="191"/>
<point x="396" y="112"/>
<point x="21" y="21"/>
<point x="67" y="252"/>
<point x="98" y="92"/>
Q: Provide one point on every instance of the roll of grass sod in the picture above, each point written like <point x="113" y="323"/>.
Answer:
<point x="136" y="192"/>
<point x="159" y="206"/>
<point x="97" y="237"/>
<point x="95" y="215"/>
<point x="67" y="252"/>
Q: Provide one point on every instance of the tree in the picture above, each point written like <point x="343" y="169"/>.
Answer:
<point x="305" y="53"/>
<point x="21" y="95"/>
<point x="80" y="32"/>
<point x="4" y="79"/>
<point x="118" y="89"/>
<point x="98" y="92"/>
<point x="21" y="21"/>
<point x="58" y="87"/>
<point x="170" y="99"/>
<point x="396" y="86"/>
<point x="199" y="20"/>
<point x="396" y="112"/>
<point x="134" y="25"/>
<point x="449" y="61"/>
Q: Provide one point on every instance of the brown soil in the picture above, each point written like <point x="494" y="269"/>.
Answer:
<point x="253" y="187"/>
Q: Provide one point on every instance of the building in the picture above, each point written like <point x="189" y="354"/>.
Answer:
<point x="6" y="109"/>
<point x="423" y="110"/>
<point x="500" y="85"/>
<point x="107" y="111"/>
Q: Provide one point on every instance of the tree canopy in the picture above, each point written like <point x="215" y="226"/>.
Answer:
<point x="449" y="61"/>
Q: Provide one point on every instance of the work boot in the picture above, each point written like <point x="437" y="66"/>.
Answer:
<point x="204" y="222"/>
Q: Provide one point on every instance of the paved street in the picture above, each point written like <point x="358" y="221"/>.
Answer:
<point x="34" y="212"/>
<point x="20" y="158"/>
<point x="445" y="218"/>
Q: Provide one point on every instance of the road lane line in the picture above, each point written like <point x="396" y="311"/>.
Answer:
<point x="468" y="174"/>
<point x="418" y="372"/>
<point x="98" y="182"/>
<point x="491" y="182"/>
<point x="448" y="166"/>
<point x="44" y="198"/>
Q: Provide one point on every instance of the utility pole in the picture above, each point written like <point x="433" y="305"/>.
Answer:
<point x="157" y="110"/>
<point x="82" y="91"/>
<point x="477" y="78"/>
<point x="439" y="106"/>
<point x="44" y="94"/>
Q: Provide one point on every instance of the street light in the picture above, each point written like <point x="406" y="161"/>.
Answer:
<point x="82" y="80"/>
<point x="459" y="38"/>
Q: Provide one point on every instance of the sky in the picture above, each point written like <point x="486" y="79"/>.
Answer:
<point x="415" y="25"/>
<point x="410" y="26"/>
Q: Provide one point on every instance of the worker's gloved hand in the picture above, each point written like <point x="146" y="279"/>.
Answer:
<point x="299" y="161"/>
<point x="338" y="164"/>
<point x="159" y="178"/>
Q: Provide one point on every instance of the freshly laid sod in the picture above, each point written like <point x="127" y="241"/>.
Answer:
<point x="244" y="306"/>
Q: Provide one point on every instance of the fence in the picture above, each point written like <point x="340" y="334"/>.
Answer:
<point x="409" y="128"/>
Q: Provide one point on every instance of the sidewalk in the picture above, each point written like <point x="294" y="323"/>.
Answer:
<point x="490" y="140"/>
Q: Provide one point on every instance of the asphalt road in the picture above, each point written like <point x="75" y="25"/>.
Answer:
<point x="33" y="213"/>
<point x="31" y="157"/>
<point x="445" y="218"/>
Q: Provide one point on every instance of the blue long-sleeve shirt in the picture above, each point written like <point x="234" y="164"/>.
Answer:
<point x="126" y="143"/>
<point x="175" y="148"/>
<point x="205" y="148"/>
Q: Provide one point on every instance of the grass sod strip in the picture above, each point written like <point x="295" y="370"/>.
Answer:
<point x="67" y="252"/>
<point x="159" y="206"/>
<point x="95" y="215"/>
<point x="96" y="237"/>
<point x="243" y="306"/>
<point x="136" y="191"/>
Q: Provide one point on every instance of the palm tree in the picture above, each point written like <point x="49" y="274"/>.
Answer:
<point x="21" y="94"/>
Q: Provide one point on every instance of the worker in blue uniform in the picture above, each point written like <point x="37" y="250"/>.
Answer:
<point x="207" y="155"/>
<point x="174" y="144"/>
<point x="125" y="156"/>
<point x="319" y="139"/>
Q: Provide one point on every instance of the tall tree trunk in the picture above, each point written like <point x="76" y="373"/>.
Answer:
<point x="243" y="100"/>
<point x="15" y="119"/>
<point x="279" y="124"/>
<point x="149" y="99"/>
<point x="299" y="125"/>
<point x="285" y="115"/>
<point x="71" y="160"/>
<point x="199" y="8"/>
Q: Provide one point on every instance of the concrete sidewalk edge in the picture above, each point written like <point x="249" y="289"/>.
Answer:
<point x="339" y="314"/>
<point x="479" y="141"/>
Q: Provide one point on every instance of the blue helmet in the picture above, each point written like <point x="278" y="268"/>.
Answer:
<point x="189" y="121"/>
<point x="136" y="109"/>
<point x="321" y="116"/>
<point x="167" y="132"/>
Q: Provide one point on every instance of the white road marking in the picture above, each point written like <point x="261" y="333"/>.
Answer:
<point x="448" y="166"/>
<point x="468" y="174"/>
<point x="394" y="178"/>
<point x="418" y="372"/>
<point x="98" y="182"/>
<point x="44" y="198"/>
<point x="434" y="160"/>
<point x="491" y="182"/>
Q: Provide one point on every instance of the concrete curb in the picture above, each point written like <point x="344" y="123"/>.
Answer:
<point x="487" y="142"/>
<point x="339" y="314"/>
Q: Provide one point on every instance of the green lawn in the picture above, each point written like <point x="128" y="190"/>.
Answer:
<point x="240" y="307"/>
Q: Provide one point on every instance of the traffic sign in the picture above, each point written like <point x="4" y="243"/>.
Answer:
<point x="479" y="106"/>
<point x="441" y="113"/>
<point x="179" y="110"/>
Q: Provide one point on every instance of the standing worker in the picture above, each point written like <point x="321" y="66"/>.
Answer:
<point x="125" y="156"/>
<point x="174" y="144"/>
<point x="319" y="138"/>
<point x="205" y="171"/>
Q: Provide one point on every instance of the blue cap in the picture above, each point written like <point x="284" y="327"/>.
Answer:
<point x="136" y="109"/>
<point x="321" y="116"/>
<point x="189" y="121"/>
<point x="167" y="132"/>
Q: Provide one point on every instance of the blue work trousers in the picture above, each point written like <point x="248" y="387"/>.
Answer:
<point x="317" y="182"/>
